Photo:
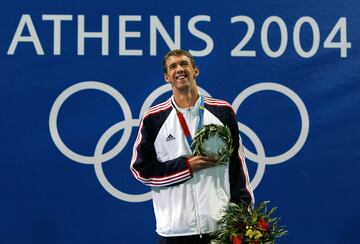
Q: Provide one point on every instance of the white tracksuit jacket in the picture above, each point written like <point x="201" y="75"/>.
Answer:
<point x="186" y="202"/>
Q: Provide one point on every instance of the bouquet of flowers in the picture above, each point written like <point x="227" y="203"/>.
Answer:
<point x="214" y="141"/>
<point x="240" y="225"/>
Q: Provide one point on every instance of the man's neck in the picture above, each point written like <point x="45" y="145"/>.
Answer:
<point x="186" y="99"/>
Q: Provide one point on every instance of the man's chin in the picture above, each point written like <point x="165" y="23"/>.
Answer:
<point x="182" y="83"/>
<point x="182" y="87"/>
<point x="183" y="80"/>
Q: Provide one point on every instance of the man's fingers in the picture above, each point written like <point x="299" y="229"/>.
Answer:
<point x="201" y="162"/>
<point x="203" y="158"/>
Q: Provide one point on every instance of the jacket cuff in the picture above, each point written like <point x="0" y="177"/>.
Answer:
<point x="189" y="166"/>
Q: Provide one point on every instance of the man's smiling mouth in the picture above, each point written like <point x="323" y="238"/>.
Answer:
<point x="181" y="77"/>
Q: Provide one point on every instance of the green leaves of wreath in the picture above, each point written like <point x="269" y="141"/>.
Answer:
<point x="219" y="134"/>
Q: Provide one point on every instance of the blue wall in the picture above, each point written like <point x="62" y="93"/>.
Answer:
<point x="71" y="104"/>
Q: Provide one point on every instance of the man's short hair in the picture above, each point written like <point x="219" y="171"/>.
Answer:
<point x="178" y="52"/>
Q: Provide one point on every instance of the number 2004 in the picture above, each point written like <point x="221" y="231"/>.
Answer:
<point x="340" y="27"/>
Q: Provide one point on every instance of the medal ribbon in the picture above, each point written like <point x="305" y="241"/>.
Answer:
<point x="183" y="124"/>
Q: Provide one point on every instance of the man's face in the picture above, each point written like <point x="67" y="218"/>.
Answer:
<point x="180" y="72"/>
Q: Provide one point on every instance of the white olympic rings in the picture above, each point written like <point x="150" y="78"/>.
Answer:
<point x="99" y="157"/>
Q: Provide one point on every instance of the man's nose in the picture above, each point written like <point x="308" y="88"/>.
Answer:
<point x="179" y="69"/>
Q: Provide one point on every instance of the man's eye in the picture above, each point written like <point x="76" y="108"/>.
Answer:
<point x="172" y="67"/>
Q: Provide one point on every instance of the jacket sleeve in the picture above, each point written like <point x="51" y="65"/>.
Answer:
<point x="240" y="188"/>
<point x="147" y="169"/>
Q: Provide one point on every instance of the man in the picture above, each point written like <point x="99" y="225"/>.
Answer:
<point x="189" y="192"/>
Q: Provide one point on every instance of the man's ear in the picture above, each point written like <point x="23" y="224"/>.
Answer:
<point x="166" y="77"/>
<point x="197" y="71"/>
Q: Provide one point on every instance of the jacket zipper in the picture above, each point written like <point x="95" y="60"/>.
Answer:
<point x="190" y="115"/>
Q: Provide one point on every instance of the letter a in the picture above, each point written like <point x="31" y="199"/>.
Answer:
<point x="33" y="37"/>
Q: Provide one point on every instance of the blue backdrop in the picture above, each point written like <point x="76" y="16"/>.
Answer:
<point x="77" y="76"/>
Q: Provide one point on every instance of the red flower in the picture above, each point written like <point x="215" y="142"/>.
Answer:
<point x="235" y="239"/>
<point x="263" y="225"/>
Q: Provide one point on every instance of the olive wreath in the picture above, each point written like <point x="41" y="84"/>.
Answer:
<point x="207" y="131"/>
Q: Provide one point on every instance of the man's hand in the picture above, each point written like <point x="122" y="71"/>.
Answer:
<point x="201" y="162"/>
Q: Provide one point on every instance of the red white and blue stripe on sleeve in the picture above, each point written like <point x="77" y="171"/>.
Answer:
<point x="144" y="165"/>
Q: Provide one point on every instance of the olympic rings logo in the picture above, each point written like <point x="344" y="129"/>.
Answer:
<point x="100" y="157"/>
